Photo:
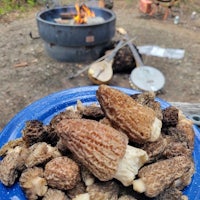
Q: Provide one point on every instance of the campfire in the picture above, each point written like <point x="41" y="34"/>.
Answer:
<point x="82" y="15"/>
<point x="76" y="33"/>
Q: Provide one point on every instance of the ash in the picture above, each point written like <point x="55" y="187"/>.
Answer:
<point x="90" y="20"/>
<point x="95" y="20"/>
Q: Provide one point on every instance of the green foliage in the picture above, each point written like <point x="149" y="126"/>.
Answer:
<point x="11" y="5"/>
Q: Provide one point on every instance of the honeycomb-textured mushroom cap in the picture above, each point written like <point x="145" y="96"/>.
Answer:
<point x="186" y="126"/>
<point x="171" y="193"/>
<point x="147" y="98"/>
<point x="170" y="116"/>
<point x="103" y="190"/>
<point x="97" y="146"/>
<point x="54" y="194"/>
<point x="137" y="121"/>
<point x="155" y="149"/>
<point x="67" y="114"/>
<point x="102" y="149"/>
<point x="62" y="173"/>
<point x="157" y="177"/>
<point x="11" y="164"/>
<point x="33" y="132"/>
<point x="175" y="148"/>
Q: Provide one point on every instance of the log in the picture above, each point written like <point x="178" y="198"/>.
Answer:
<point x="187" y="108"/>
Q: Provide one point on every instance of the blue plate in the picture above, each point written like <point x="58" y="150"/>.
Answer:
<point x="45" y="108"/>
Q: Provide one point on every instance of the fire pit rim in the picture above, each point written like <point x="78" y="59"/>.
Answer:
<point x="38" y="17"/>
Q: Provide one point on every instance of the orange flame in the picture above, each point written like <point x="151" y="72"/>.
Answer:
<point x="83" y="12"/>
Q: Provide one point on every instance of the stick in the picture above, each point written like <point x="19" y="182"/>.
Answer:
<point x="22" y="64"/>
<point x="98" y="60"/>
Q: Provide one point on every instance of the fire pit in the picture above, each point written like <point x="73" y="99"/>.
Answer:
<point x="65" y="40"/>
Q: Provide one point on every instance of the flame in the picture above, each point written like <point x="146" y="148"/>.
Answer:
<point x="83" y="12"/>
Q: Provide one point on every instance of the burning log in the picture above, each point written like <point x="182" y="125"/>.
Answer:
<point x="66" y="15"/>
<point x="83" y="12"/>
<point x="83" y="15"/>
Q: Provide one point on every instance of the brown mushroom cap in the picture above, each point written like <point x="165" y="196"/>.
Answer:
<point x="156" y="177"/>
<point x="137" y="121"/>
<point x="12" y="163"/>
<point x="62" y="173"/>
<point x="40" y="153"/>
<point x="97" y="146"/>
<point x="104" y="190"/>
<point x="54" y="194"/>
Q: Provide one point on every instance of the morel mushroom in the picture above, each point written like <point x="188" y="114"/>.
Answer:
<point x="40" y="153"/>
<point x="156" y="177"/>
<point x="155" y="149"/>
<point x="33" y="183"/>
<point x="186" y="126"/>
<point x="137" y="121"/>
<point x="54" y="194"/>
<point x="170" y="116"/>
<point x="11" y="164"/>
<point x="102" y="149"/>
<point x="103" y="190"/>
<point x="33" y="132"/>
<point x="148" y="98"/>
<point x="62" y="173"/>
<point x="6" y="148"/>
<point x="92" y="111"/>
<point x="171" y="193"/>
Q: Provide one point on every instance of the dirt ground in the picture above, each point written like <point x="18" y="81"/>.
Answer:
<point x="42" y="75"/>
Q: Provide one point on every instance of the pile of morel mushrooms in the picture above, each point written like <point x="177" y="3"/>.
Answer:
<point x="127" y="148"/>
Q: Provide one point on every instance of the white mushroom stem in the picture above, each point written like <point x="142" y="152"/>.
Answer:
<point x="132" y="161"/>
<point x="84" y="196"/>
<point x="139" y="185"/>
<point x="156" y="127"/>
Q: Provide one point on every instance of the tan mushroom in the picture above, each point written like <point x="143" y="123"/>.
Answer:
<point x="171" y="193"/>
<point x="54" y="194"/>
<point x="137" y="121"/>
<point x="40" y="153"/>
<point x="103" y="191"/>
<point x="11" y="164"/>
<point x="92" y="111"/>
<point x="11" y="145"/>
<point x="33" y="183"/>
<point x="147" y="98"/>
<point x="186" y="126"/>
<point x="102" y="149"/>
<point x="156" y="177"/>
<point x="62" y="173"/>
<point x="155" y="149"/>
